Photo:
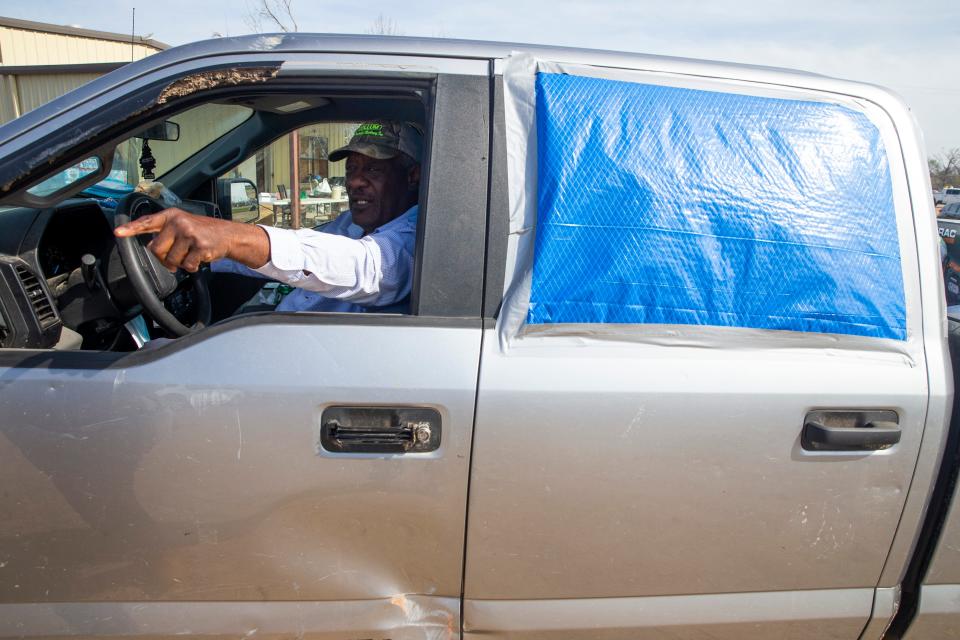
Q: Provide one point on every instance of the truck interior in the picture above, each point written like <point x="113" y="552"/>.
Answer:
<point x="58" y="245"/>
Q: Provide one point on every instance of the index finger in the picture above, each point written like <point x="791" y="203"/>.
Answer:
<point x="146" y="224"/>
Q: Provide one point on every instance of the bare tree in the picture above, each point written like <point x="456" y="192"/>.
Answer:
<point x="384" y="26"/>
<point x="945" y="168"/>
<point x="270" y="15"/>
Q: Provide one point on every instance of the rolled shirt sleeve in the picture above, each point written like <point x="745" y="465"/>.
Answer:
<point x="375" y="270"/>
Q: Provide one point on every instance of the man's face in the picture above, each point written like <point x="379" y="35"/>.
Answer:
<point x="379" y="190"/>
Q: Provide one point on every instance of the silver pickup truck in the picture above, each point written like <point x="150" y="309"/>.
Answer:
<point x="675" y="364"/>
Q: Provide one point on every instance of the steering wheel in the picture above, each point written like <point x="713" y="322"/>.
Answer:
<point x="151" y="281"/>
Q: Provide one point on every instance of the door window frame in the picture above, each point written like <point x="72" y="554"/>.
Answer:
<point x="450" y="247"/>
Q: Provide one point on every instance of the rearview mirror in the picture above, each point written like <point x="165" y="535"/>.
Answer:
<point x="165" y="131"/>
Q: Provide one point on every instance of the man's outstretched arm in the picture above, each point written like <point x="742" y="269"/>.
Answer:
<point x="185" y="240"/>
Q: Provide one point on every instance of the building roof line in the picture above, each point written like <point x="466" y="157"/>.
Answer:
<point x="51" y="69"/>
<point x="29" y="25"/>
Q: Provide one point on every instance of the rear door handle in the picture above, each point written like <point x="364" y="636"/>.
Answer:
<point x="845" y="430"/>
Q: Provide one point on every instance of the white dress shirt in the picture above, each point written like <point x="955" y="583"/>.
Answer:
<point x="335" y="267"/>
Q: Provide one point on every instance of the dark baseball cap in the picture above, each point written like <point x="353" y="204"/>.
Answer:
<point x="383" y="139"/>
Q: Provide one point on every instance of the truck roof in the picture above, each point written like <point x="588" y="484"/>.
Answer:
<point x="234" y="48"/>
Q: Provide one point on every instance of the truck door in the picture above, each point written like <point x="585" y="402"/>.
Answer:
<point x="266" y="475"/>
<point x="651" y="460"/>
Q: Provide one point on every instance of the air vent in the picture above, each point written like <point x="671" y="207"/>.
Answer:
<point x="37" y="297"/>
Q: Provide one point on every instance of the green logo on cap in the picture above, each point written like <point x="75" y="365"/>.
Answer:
<point x="370" y="129"/>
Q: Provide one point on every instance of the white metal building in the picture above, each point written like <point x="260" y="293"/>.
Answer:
<point x="39" y="62"/>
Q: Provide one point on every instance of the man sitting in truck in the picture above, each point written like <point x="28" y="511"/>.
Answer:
<point x="361" y="260"/>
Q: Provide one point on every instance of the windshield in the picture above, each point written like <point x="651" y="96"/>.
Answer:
<point x="199" y="127"/>
<point x="62" y="180"/>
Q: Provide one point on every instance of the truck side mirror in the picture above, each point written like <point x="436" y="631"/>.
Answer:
<point x="238" y="199"/>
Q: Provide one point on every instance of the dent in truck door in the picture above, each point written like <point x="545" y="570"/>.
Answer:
<point x="654" y="481"/>
<point x="184" y="491"/>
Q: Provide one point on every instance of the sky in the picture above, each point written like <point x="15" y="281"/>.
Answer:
<point x="910" y="47"/>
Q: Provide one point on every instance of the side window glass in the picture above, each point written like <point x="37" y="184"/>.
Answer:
<point x="290" y="183"/>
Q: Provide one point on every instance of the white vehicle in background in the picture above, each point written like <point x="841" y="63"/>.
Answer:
<point x="947" y="196"/>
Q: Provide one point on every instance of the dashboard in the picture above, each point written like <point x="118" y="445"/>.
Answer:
<point x="62" y="282"/>
<point x="69" y="233"/>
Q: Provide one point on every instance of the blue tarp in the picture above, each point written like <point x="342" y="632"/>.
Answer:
<point x="677" y="206"/>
